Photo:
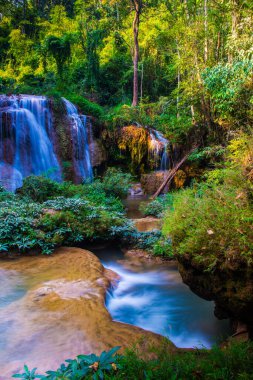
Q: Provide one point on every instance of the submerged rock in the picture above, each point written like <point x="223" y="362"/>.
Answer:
<point x="61" y="312"/>
<point x="147" y="224"/>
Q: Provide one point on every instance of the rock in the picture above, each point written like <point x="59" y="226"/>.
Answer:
<point x="62" y="312"/>
<point x="113" y="277"/>
<point x="147" y="224"/>
<point x="152" y="181"/>
<point x="231" y="289"/>
<point x="141" y="256"/>
<point x="135" y="190"/>
<point x="97" y="153"/>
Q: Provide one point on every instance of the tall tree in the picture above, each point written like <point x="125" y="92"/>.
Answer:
<point x="138" y="6"/>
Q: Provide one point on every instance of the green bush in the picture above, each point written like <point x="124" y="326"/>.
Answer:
<point x="212" y="222"/>
<point x="230" y="88"/>
<point x="46" y="214"/>
<point x="39" y="188"/>
<point x="117" y="183"/>
<point x="158" y="206"/>
<point x="87" y="107"/>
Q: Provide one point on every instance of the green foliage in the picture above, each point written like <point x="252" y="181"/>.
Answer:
<point x="230" y="87"/>
<point x="157" y="206"/>
<point x="154" y="208"/>
<point x="116" y="182"/>
<point x="87" y="107"/>
<point x="208" y="153"/>
<point x="59" y="47"/>
<point x="211" y="223"/>
<point x="87" y="366"/>
<point x="28" y="375"/>
<point x="38" y="188"/>
<point x="46" y="214"/>
<point x="230" y="363"/>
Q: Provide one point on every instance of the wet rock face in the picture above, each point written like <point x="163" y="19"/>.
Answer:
<point x="60" y="312"/>
<point x="232" y="291"/>
<point x="151" y="182"/>
<point x="97" y="153"/>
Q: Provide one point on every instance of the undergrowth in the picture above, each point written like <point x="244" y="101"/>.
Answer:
<point x="231" y="363"/>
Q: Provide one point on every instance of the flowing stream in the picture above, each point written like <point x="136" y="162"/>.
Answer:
<point x="152" y="296"/>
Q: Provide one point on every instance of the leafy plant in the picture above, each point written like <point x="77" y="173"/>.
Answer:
<point x="84" y="366"/>
<point x="116" y="182"/>
<point x="158" y="206"/>
<point x="28" y="375"/>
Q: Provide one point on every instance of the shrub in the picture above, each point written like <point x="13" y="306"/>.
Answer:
<point x="66" y="214"/>
<point x="158" y="206"/>
<point x="212" y="222"/>
<point x="87" y="107"/>
<point x="38" y="188"/>
<point x="116" y="183"/>
<point x="154" y="208"/>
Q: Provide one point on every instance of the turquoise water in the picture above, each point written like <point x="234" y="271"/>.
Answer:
<point x="153" y="297"/>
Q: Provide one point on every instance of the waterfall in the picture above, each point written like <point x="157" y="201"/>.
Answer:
<point x="164" y="155"/>
<point x="158" y="146"/>
<point x="80" y="134"/>
<point x="25" y="144"/>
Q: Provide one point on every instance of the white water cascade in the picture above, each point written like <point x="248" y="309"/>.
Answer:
<point x="158" y="149"/>
<point x="79" y="134"/>
<point x="25" y="140"/>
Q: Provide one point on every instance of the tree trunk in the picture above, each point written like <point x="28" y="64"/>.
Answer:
<point x="137" y="8"/>
<point x="178" y="83"/>
<point x="206" y="31"/>
<point x="142" y="74"/>
<point x="234" y="18"/>
<point x="172" y="173"/>
<point x="234" y="24"/>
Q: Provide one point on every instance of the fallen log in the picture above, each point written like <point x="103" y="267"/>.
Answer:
<point x="172" y="174"/>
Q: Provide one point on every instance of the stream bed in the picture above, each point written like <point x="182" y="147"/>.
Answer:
<point x="152" y="296"/>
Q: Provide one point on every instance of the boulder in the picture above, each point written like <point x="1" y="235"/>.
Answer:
<point x="148" y="224"/>
<point x="152" y="181"/>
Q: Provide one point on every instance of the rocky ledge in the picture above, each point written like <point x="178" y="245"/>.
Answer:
<point x="232" y="291"/>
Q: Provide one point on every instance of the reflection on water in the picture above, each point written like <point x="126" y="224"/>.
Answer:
<point x="132" y="206"/>
<point x="11" y="287"/>
<point x="152" y="296"/>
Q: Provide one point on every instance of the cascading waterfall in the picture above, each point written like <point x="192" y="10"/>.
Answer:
<point x="164" y="156"/>
<point x="25" y="140"/>
<point x="80" y="141"/>
<point x="158" y="146"/>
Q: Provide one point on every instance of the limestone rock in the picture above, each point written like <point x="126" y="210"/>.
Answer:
<point x="97" y="153"/>
<point x="147" y="224"/>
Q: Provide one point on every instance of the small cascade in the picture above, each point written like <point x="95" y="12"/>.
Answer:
<point x="158" y="146"/>
<point x="81" y="136"/>
<point x="25" y="140"/>
<point x="164" y="155"/>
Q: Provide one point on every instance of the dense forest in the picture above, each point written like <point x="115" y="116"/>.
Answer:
<point x="183" y="63"/>
<point x="104" y="99"/>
